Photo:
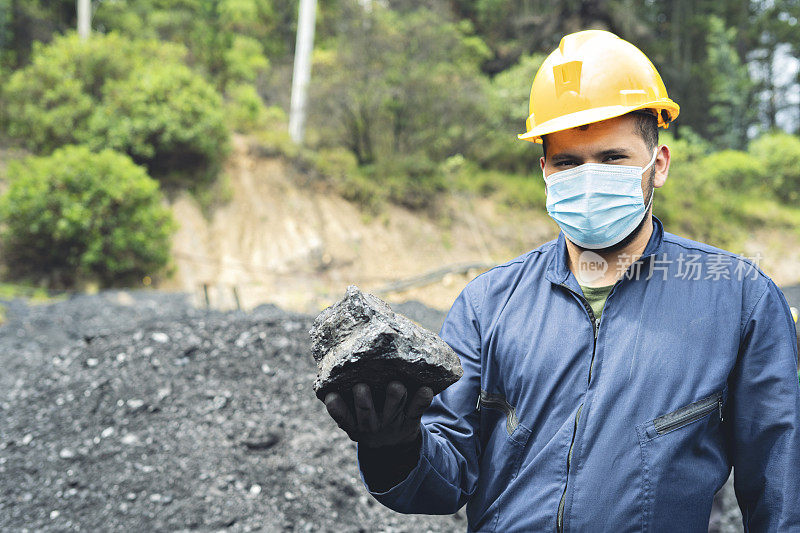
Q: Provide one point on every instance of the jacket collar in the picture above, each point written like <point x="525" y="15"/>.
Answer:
<point x="558" y="267"/>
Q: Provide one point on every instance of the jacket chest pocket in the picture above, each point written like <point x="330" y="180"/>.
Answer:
<point x="498" y="401"/>
<point x="687" y="414"/>
<point x="503" y="441"/>
<point x="682" y="455"/>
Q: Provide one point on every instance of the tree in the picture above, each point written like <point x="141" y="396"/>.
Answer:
<point x="110" y="91"/>
<point x="779" y="155"/>
<point x="731" y="91"/>
<point x="49" y="102"/>
<point x="392" y="85"/>
<point x="774" y="34"/>
<point x="166" y="118"/>
<point x="24" y="22"/>
<point x="510" y="98"/>
<point x="77" y="215"/>
<point x="229" y="40"/>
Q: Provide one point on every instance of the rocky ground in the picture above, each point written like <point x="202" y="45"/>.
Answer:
<point x="137" y="412"/>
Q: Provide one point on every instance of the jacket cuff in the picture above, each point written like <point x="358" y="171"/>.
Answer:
<point x="382" y="469"/>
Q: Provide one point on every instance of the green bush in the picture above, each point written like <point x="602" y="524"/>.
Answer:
<point x="77" y="215"/>
<point x="340" y="168"/>
<point x="272" y="139"/>
<point x="49" y="103"/>
<point x="705" y="194"/>
<point x="244" y="60"/>
<point x="522" y="191"/>
<point x="391" y="86"/>
<point x="779" y="153"/>
<point x="500" y="148"/>
<point x="335" y="164"/>
<point x="112" y="92"/>
<point x="244" y="109"/>
<point x="689" y="148"/>
<point x="411" y="181"/>
<point x="166" y="118"/>
<point x="733" y="170"/>
<point x="211" y="29"/>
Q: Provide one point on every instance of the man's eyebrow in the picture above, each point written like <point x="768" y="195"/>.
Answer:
<point x="603" y="153"/>
<point x="614" y="151"/>
<point x="562" y="156"/>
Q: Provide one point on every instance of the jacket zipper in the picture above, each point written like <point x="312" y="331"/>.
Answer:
<point x="688" y="414"/>
<point x="560" y="521"/>
<point x="595" y="328"/>
<point x="497" y="401"/>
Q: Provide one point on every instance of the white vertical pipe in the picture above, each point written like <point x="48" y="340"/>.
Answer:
<point x="302" y="68"/>
<point x="84" y="18"/>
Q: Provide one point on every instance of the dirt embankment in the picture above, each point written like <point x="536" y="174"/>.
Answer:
<point x="279" y="241"/>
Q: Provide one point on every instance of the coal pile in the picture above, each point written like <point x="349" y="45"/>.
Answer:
<point x="137" y="412"/>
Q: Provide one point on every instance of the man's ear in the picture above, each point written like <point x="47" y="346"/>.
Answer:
<point x="661" y="165"/>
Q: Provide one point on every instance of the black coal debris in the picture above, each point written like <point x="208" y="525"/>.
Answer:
<point x="361" y="340"/>
<point x="134" y="411"/>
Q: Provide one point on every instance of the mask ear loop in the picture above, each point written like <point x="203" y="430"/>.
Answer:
<point x="645" y="169"/>
<point x="653" y="160"/>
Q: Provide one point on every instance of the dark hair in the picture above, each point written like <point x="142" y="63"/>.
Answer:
<point x="646" y="127"/>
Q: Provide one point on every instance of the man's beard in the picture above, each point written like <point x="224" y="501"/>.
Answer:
<point x="633" y="234"/>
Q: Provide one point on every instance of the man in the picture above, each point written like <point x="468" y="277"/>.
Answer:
<point x="613" y="376"/>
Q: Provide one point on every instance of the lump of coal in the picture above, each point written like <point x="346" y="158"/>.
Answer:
<point x="361" y="340"/>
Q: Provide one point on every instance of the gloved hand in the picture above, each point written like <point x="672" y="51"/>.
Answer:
<point x="398" y="423"/>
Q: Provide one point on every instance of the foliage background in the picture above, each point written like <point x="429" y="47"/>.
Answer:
<point x="78" y="215"/>
<point x="410" y="100"/>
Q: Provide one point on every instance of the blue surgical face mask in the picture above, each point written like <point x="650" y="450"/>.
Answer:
<point x="595" y="204"/>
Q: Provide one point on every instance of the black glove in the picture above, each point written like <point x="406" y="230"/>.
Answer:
<point x="398" y="423"/>
<point x="390" y="442"/>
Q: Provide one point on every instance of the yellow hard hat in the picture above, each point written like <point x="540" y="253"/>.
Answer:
<point x="594" y="75"/>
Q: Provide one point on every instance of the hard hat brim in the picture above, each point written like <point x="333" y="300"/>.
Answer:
<point x="589" y="116"/>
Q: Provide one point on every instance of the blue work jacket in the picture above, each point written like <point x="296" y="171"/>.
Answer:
<point x="628" y="423"/>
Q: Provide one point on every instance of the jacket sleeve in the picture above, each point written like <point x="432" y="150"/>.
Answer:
<point x="446" y="472"/>
<point x="764" y="402"/>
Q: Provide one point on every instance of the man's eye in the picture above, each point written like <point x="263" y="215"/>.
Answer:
<point x="615" y="157"/>
<point x="564" y="163"/>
